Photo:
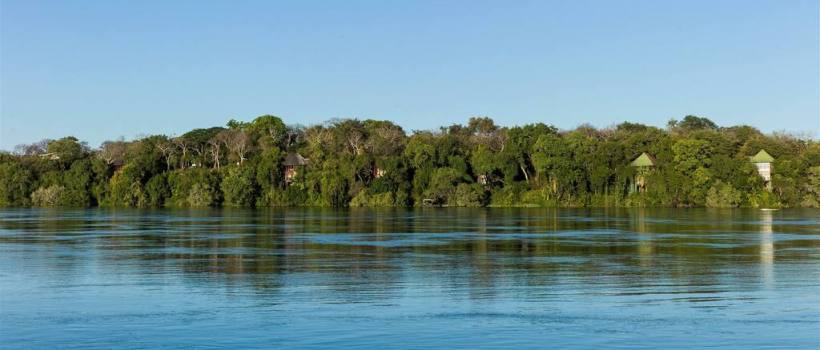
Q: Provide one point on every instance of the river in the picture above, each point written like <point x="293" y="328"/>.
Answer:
<point x="410" y="278"/>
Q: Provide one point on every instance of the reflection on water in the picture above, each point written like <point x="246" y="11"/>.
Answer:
<point x="455" y="278"/>
<point x="767" y="247"/>
<point x="646" y="244"/>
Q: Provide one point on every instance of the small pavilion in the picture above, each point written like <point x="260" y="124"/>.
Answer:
<point x="293" y="162"/>
<point x="763" y="161"/>
<point x="644" y="164"/>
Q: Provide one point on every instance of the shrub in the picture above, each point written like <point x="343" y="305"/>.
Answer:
<point x="47" y="196"/>
<point x="365" y="199"/>
<point x="201" y="195"/>
<point x="239" y="187"/>
<point x="811" y="198"/>
<point x="764" y="199"/>
<point x="722" y="195"/>
<point x="468" y="195"/>
<point x="182" y="183"/>
<point x="157" y="190"/>
<point x="126" y="189"/>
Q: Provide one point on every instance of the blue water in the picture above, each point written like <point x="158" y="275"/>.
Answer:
<point x="410" y="279"/>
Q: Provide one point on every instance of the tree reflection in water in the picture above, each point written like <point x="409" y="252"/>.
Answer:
<point x="358" y="278"/>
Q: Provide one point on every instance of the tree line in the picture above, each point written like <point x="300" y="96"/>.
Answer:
<point x="376" y="163"/>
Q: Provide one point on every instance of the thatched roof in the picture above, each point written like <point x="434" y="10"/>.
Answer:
<point x="762" y="157"/>
<point x="643" y="160"/>
<point x="293" y="159"/>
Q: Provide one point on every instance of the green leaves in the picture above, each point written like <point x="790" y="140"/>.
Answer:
<point x="239" y="187"/>
<point x="15" y="184"/>
<point x="375" y="163"/>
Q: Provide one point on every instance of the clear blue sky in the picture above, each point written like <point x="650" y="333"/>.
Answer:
<point x="103" y="69"/>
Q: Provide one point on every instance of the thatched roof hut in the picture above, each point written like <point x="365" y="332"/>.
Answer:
<point x="292" y="161"/>
<point x="295" y="159"/>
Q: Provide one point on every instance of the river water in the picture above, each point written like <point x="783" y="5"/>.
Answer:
<point x="410" y="279"/>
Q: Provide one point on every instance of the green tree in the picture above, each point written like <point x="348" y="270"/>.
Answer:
<point x="126" y="189"/>
<point x="483" y="161"/>
<point x="15" y="185"/>
<point x="157" y="190"/>
<point x="811" y="196"/>
<point x="77" y="182"/>
<point x="692" y="161"/>
<point x="182" y="183"/>
<point x="239" y="187"/>
<point x="692" y="123"/>
<point x="374" y="163"/>
<point x="268" y="131"/>
<point x="67" y="150"/>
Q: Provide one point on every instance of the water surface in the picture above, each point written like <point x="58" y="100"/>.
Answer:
<point x="413" y="279"/>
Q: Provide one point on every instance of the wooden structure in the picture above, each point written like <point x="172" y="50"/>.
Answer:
<point x="378" y="172"/>
<point x="293" y="163"/>
<point x="763" y="161"/>
<point x="50" y="156"/>
<point x="430" y="202"/>
<point x="644" y="164"/>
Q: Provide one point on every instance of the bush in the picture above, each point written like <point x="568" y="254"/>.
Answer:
<point x="47" y="196"/>
<point x="468" y="195"/>
<point x="723" y="195"/>
<point x="126" y="189"/>
<point x="157" y="190"/>
<point x="364" y="199"/>
<point x="182" y="182"/>
<point x="507" y="196"/>
<point x="201" y="195"/>
<point x="811" y="198"/>
<point x="334" y="191"/>
<point x="78" y="181"/>
<point x="764" y="199"/>
<point x="443" y="184"/>
<point x="239" y="187"/>
<point x="75" y="198"/>
<point x="539" y="197"/>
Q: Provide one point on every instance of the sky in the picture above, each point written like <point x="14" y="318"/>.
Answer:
<point x="101" y="70"/>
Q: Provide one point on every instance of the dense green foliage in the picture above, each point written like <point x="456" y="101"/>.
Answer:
<point x="375" y="163"/>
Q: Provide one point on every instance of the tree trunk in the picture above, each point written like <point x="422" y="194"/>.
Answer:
<point x="526" y="176"/>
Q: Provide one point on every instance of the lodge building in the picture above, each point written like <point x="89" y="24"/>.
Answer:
<point x="763" y="161"/>
<point x="294" y="163"/>
<point x="644" y="164"/>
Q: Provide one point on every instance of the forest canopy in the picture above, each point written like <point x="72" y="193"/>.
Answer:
<point x="375" y="163"/>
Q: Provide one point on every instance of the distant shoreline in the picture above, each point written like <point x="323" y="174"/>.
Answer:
<point x="375" y="163"/>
